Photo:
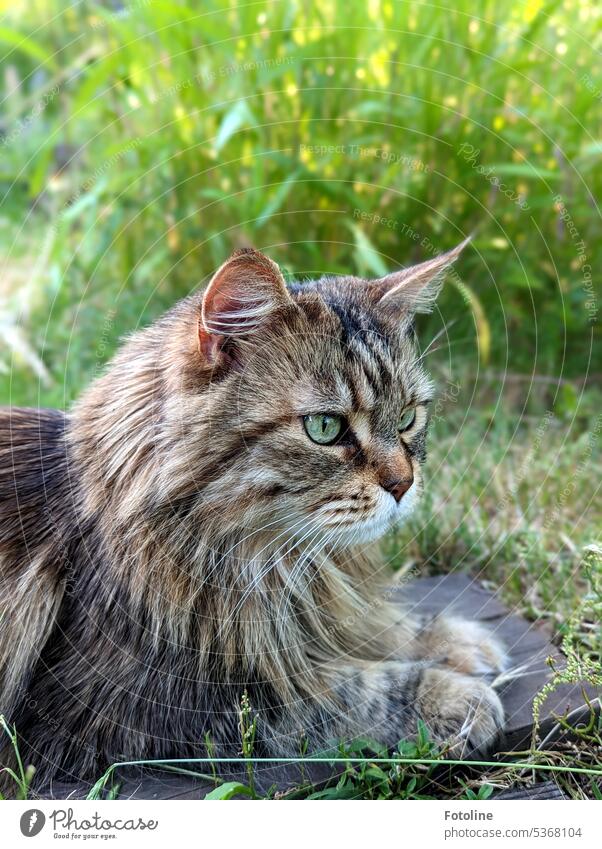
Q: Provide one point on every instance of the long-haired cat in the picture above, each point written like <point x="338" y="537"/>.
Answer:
<point x="202" y="522"/>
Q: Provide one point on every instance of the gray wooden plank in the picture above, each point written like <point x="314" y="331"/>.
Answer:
<point x="545" y="790"/>
<point x="453" y="594"/>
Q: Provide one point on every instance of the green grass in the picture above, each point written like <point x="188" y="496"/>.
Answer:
<point x="178" y="133"/>
<point x="21" y="777"/>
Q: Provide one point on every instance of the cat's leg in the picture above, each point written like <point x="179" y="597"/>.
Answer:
<point x="386" y="700"/>
<point x="465" y="646"/>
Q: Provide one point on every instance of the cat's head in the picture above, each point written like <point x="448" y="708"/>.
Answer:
<point x="317" y="405"/>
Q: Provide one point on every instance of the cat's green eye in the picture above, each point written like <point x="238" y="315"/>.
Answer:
<point x="322" y="428"/>
<point x="408" y="417"/>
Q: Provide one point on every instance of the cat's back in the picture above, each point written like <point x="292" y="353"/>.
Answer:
<point x="33" y="472"/>
<point x="28" y="436"/>
<point x="34" y="486"/>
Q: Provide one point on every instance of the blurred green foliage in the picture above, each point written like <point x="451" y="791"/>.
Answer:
<point x="143" y="142"/>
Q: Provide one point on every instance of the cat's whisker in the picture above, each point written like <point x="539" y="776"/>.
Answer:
<point x="311" y="543"/>
<point x="330" y="539"/>
<point x="291" y="536"/>
<point x="449" y="347"/>
<point x="366" y="514"/>
<point x="300" y="568"/>
<point x="259" y="530"/>
<point x="245" y="538"/>
<point x="248" y="562"/>
<point x="344" y="500"/>
<point x="437" y="336"/>
<point x="271" y="565"/>
<point x="256" y="581"/>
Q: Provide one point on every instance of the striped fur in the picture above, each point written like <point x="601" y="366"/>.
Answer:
<point x="176" y="538"/>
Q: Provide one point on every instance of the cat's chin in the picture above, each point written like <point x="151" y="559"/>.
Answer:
<point x="390" y="515"/>
<point x="363" y="532"/>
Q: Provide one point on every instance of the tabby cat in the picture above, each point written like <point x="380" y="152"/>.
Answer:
<point x="202" y="524"/>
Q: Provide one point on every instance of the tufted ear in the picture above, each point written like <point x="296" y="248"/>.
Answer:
<point x="415" y="289"/>
<point x="242" y="295"/>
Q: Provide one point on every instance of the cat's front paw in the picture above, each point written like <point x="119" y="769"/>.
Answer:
<point x="462" y="713"/>
<point x="464" y="646"/>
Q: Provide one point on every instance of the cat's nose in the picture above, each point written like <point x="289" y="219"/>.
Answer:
<point x="397" y="486"/>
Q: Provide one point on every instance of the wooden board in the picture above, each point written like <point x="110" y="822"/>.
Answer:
<point x="528" y="646"/>
<point x="544" y="790"/>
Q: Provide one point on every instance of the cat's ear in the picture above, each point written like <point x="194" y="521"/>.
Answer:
<point x="415" y="289"/>
<point x="242" y="295"/>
